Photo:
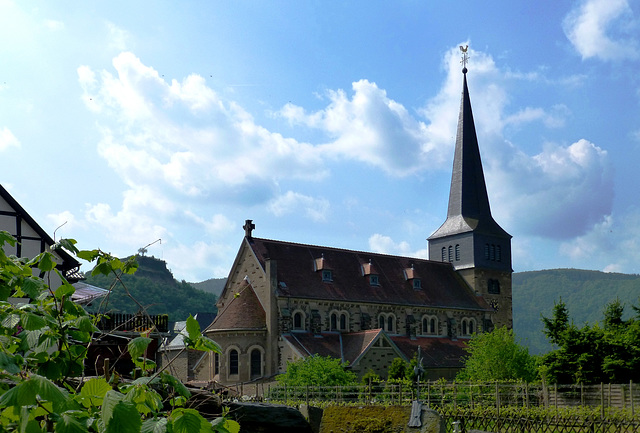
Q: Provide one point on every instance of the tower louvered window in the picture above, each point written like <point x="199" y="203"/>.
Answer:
<point x="457" y="252"/>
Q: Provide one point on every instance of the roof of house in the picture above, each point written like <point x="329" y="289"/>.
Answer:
<point x="70" y="265"/>
<point x="349" y="347"/>
<point x="298" y="276"/>
<point x="243" y="312"/>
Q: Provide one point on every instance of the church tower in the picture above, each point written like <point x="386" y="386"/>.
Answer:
<point x="477" y="247"/>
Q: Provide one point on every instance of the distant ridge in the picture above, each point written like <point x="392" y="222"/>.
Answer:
<point x="584" y="292"/>
<point x="212" y="285"/>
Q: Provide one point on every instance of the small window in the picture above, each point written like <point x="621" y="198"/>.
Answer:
<point x="425" y="326"/>
<point x="486" y="251"/>
<point x="327" y="275"/>
<point x="297" y="320"/>
<point x="256" y="363"/>
<point x="343" y="322"/>
<point x="433" y="327"/>
<point x="493" y="286"/>
<point x="464" y="327"/>
<point x="450" y="253"/>
<point x="444" y="254"/>
<point x="498" y="253"/>
<point x="457" y="252"/>
<point x="470" y="326"/>
<point x="390" y="324"/>
<point x="381" y="322"/>
<point x="417" y="285"/>
<point x="216" y="363"/>
<point x="373" y="280"/>
<point x="333" y="322"/>
<point x="492" y="252"/>
<point x="233" y="362"/>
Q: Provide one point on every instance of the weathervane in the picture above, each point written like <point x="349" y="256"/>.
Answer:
<point x="465" y="58"/>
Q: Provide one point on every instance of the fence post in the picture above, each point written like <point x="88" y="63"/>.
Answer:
<point x="526" y="394"/>
<point x="631" y="396"/>
<point x="370" y="391"/>
<point x="455" y="396"/>
<point x="581" y="393"/>
<point x="602" y="399"/>
<point x="428" y="393"/>
<point x="400" y="394"/>
<point x="471" y="394"/>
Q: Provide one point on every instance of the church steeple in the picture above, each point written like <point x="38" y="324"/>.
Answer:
<point x="470" y="239"/>
<point x="468" y="208"/>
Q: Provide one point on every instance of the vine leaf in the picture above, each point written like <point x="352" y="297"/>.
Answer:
<point x="137" y="346"/>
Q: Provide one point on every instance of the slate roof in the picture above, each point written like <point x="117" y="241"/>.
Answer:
<point x="244" y="312"/>
<point x="441" y="286"/>
<point x="468" y="208"/>
<point x="86" y="293"/>
<point x="436" y="352"/>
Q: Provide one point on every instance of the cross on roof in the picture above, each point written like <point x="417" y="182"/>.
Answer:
<point x="248" y="228"/>
<point x="465" y="57"/>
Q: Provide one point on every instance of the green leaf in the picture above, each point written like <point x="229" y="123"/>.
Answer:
<point x="24" y="394"/>
<point x="103" y="268"/>
<point x="32" y="322"/>
<point x="193" y="328"/>
<point x="125" y="419"/>
<point x="11" y="321"/>
<point x="8" y="363"/>
<point x="32" y="286"/>
<point x="206" y="344"/>
<point x="137" y="346"/>
<point x="5" y="292"/>
<point x="85" y="324"/>
<point x="224" y="425"/>
<point x="93" y="391"/>
<point x="67" y="244"/>
<point x="187" y="421"/>
<point x="65" y="289"/>
<point x="88" y="255"/>
<point x="154" y="426"/>
<point x="111" y="399"/>
<point x="7" y="238"/>
<point x="45" y="261"/>
<point x="176" y="384"/>
<point x="69" y="424"/>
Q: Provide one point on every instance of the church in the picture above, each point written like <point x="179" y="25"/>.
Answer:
<point x="284" y="301"/>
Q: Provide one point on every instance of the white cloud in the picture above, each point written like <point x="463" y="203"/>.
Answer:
<point x="118" y="37"/>
<point x="218" y="224"/>
<point x="385" y="245"/>
<point x="54" y="25"/>
<point x="602" y="29"/>
<point x="315" y="209"/>
<point x="559" y="193"/>
<point x="7" y="139"/>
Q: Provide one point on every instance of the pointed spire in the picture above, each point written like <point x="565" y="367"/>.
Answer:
<point x="468" y="208"/>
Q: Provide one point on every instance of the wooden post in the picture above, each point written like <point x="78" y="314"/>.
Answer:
<point x="105" y="366"/>
<point x="498" y="399"/>
<point x="609" y="396"/>
<point x="555" y="395"/>
<point x="631" y="396"/>
<point x="582" y="393"/>
<point x="370" y="391"/>
<point x="400" y="394"/>
<point x="428" y="393"/>
<point x="602" y="400"/>
<point x="526" y="394"/>
<point x="471" y="394"/>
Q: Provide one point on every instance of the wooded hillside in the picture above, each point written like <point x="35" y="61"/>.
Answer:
<point x="155" y="288"/>
<point x="584" y="292"/>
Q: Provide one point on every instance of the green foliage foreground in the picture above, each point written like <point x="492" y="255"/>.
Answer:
<point x="316" y="370"/>
<point x="43" y="346"/>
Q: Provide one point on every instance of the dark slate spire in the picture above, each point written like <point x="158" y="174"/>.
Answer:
<point x="468" y="199"/>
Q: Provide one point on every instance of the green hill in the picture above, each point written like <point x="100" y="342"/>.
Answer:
<point x="154" y="287"/>
<point x="212" y="285"/>
<point x="584" y="292"/>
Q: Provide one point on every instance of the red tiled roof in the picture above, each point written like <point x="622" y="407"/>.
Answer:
<point x="436" y="352"/>
<point x="242" y="313"/>
<point x="441" y="285"/>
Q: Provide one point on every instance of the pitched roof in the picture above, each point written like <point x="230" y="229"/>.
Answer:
<point x="441" y="286"/>
<point x="243" y="312"/>
<point x="436" y="352"/>
<point x="468" y="208"/>
<point x="348" y="347"/>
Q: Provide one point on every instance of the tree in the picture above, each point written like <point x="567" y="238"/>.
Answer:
<point x="317" y="370"/>
<point x="593" y="353"/>
<point x="496" y="356"/>
<point x="397" y="369"/>
<point x="42" y="352"/>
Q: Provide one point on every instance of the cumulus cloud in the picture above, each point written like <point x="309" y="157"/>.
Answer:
<point x="7" y="139"/>
<point x="559" y="193"/>
<point x="602" y="29"/>
<point x="386" y="245"/>
<point x="315" y="209"/>
<point x="158" y="136"/>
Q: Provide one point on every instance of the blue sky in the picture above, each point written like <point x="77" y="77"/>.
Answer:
<point x="328" y="123"/>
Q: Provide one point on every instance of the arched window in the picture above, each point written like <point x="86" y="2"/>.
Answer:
<point x="343" y="322"/>
<point x="444" y="254"/>
<point x="233" y="362"/>
<point x="457" y="252"/>
<point x="450" y="253"/>
<point x="216" y="363"/>
<point x="470" y="327"/>
<point x="298" y="321"/>
<point x="433" y="328"/>
<point x="464" y="327"/>
<point x="425" y="325"/>
<point x="390" y="323"/>
<point x="333" y="321"/>
<point x="381" y="322"/>
<point x="256" y="363"/>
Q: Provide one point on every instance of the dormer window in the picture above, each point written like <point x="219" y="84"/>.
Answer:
<point x="417" y="285"/>
<point x="373" y="280"/>
<point x="327" y="275"/>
